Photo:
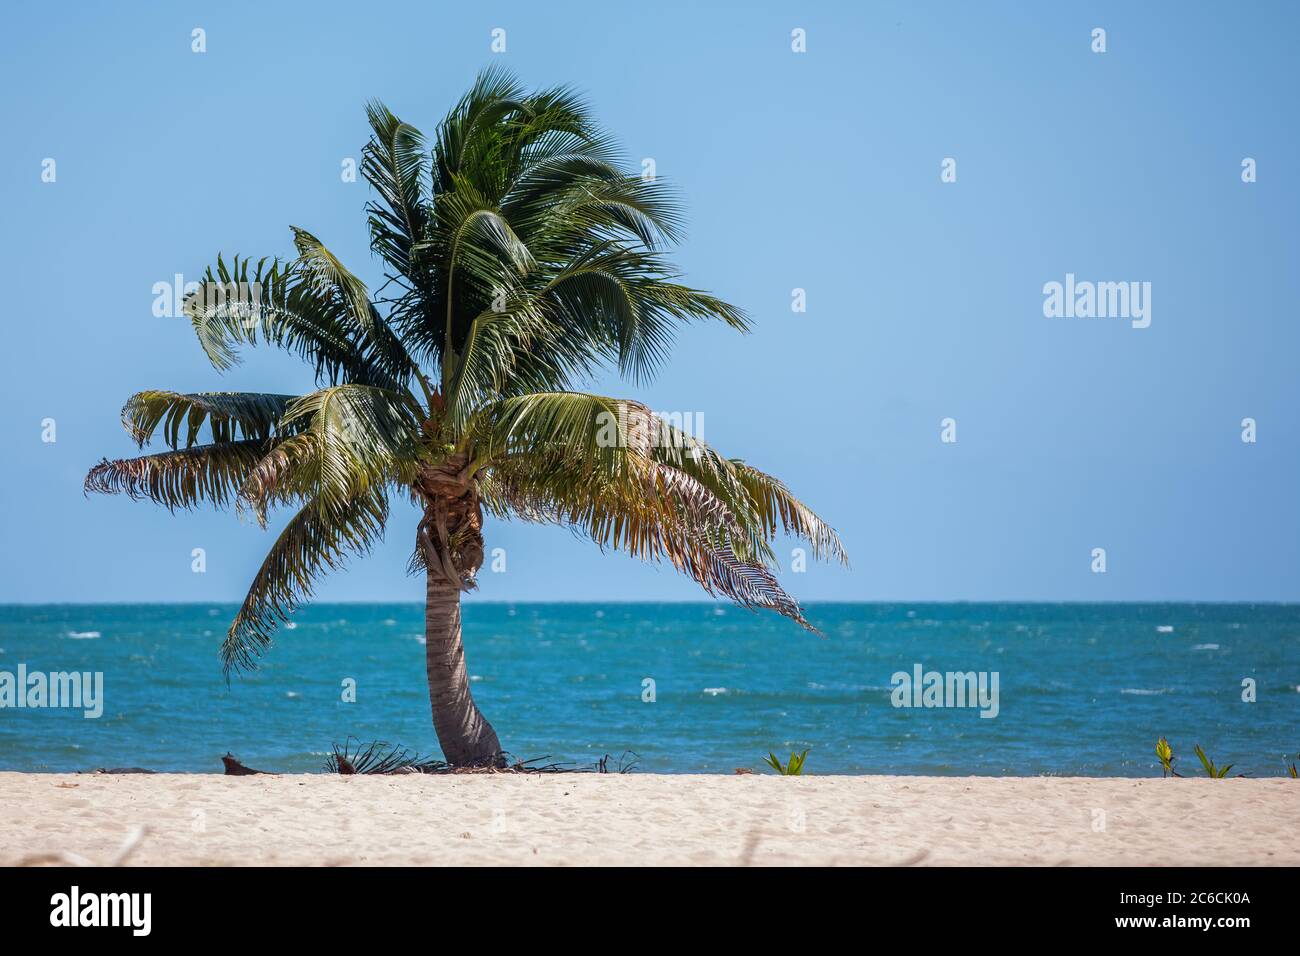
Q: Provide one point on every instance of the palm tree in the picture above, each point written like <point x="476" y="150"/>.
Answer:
<point x="521" y="261"/>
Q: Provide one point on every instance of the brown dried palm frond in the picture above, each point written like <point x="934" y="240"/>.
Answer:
<point x="380" y="757"/>
<point x="182" y="478"/>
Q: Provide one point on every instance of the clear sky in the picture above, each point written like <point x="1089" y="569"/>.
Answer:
<point x="818" y="170"/>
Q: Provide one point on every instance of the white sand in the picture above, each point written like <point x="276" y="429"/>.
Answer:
<point x="576" y="819"/>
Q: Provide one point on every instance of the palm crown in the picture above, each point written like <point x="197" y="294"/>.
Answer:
<point x="520" y="261"/>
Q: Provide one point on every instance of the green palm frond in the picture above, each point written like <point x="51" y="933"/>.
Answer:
<point x="593" y="428"/>
<point x="507" y="351"/>
<point x="234" y="302"/>
<point x="624" y="303"/>
<point x="593" y="198"/>
<point x="229" y="415"/>
<point x="527" y="202"/>
<point x="331" y="279"/>
<point x="317" y="539"/>
<point x="395" y="163"/>
<point x="347" y="439"/>
<point x="473" y="134"/>
<point x="285" y="305"/>
<point x="328" y="280"/>
<point x="477" y="237"/>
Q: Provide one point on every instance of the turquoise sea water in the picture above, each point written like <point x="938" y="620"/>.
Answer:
<point x="1083" y="689"/>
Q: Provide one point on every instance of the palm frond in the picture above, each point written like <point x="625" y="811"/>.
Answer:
<point x="395" y="162"/>
<point x="750" y="585"/>
<point x="593" y="428"/>
<point x="774" y="502"/>
<point x="347" y="439"/>
<point x="331" y="282"/>
<point x="469" y="138"/>
<point x="181" y="478"/>
<point x="318" y="538"/>
<point x="625" y="303"/>
<point x="670" y="518"/>
<point x="280" y="304"/>
<point x="766" y="500"/>
<point x="229" y="415"/>
<point x="597" y="465"/>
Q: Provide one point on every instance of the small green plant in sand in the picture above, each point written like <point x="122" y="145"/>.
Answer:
<point x="792" y="768"/>
<point x="1166" y="755"/>
<point x="1210" y="769"/>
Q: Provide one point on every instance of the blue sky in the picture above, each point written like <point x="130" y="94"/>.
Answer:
<point x="819" y="171"/>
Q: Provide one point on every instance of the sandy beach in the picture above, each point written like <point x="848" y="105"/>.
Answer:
<point x="646" y="819"/>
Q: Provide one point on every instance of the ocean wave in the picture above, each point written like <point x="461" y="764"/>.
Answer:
<point x="84" y="635"/>
<point x="1144" y="692"/>
<point x="1205" y="647"/>
<point x="1164" y="629"/>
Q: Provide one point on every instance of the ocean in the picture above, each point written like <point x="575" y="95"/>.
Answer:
<point x="1082" y="689"/>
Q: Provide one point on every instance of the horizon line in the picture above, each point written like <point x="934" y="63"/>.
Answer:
<point x="716" y="603"/>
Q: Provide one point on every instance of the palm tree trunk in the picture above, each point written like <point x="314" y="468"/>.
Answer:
<point x="466" y="738"/>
